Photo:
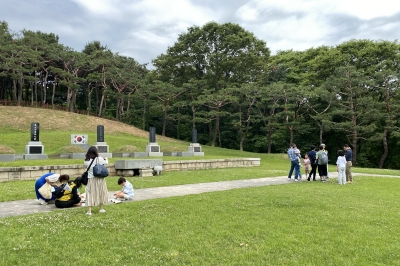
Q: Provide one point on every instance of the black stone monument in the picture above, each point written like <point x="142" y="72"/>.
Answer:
<point x="152" y="134"/>
<point x="100" y="133"/>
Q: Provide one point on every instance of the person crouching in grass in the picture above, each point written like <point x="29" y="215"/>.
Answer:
<point x="127" y="191"/>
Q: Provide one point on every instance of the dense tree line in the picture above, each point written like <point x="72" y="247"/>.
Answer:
<point x="222" y="80"/>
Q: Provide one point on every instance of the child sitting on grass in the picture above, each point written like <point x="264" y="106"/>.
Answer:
<point x="127" y="192"/>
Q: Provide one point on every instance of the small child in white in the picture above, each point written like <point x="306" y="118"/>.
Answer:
<point x="341" y="167"/>
<point x="127" y="192"/>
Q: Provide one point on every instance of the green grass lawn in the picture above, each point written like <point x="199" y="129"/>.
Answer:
<point x="307" y="223"/>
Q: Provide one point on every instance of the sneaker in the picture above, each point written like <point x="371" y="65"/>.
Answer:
<point x="296" y="180"/>
<point x="102" y="211"/>
<point x="288" y="179"/>
<point x="42" y="202"/>
<point x="88" y="213"/>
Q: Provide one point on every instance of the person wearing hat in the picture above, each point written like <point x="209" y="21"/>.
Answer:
<point x="51" y="179"/>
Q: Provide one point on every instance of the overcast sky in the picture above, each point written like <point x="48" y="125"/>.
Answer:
<point x="144" y="29"/>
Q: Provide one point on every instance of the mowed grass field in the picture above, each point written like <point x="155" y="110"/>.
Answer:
<point x="304" y="223"/>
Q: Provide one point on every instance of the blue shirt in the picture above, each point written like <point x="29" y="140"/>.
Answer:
<point x="349" y="155"/>
<point x="128" y="189"/>
<point x="312" y="156"/>
<point x="293" y="154"/>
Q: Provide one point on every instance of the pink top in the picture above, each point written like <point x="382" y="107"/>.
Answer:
<point x="306" y="163"/>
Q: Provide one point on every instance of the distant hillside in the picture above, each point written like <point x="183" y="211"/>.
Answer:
<point x="20" y="118"/>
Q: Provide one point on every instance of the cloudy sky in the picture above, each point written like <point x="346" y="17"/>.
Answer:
<point x="143" y="29"/>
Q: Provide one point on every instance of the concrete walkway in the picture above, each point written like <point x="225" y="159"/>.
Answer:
<point x="23" y="207"/>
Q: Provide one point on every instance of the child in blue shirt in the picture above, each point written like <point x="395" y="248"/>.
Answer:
<point x="127" y="191"/>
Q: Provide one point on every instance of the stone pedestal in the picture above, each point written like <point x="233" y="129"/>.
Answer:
<point x="153" y="149"/>
<point x="103" y="149"/>
<point x="34" y="151"/>
<point x="145" y="172"/>
<point x="195" y="148"/>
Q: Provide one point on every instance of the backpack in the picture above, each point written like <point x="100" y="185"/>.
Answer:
<point x="323" y="158"/>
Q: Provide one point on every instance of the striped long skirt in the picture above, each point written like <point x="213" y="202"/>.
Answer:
<point x="96" y="191"/>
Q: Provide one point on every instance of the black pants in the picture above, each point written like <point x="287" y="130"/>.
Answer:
<point x="67" y="204"/>
<point x="313" y="171"/>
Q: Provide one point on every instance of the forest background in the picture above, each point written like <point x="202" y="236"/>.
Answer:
<point x="221" y="80"/>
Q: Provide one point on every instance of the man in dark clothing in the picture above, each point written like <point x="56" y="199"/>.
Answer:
<point x="312" y="156"/>
<point x="349" y="157"/>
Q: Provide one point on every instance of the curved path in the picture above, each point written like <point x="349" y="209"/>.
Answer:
<point x="22" y="207"/>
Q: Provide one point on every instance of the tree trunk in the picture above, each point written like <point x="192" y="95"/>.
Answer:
<point x="269" y="135"/>
<point x="164" y="122"/>
<point x="216" y="129"/>
<point x="101" y="105"/>
<point x="385" y="149"/>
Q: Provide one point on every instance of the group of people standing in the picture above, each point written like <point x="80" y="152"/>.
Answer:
<point x="96" y="193"/>
<point x="318" y="160"/>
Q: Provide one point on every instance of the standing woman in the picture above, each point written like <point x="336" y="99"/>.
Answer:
<point x="96" y="189"/>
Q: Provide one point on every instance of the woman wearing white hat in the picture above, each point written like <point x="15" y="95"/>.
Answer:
<point x="49" y="179"/>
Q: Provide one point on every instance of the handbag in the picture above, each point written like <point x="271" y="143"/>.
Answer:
<point x="100" y="170"/>
<point x="45" y="191"/>
<point x="84" y="177"/>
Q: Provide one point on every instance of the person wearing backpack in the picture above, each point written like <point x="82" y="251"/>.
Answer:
<point x="322" y="158"/>
<point x="69" y="196"/>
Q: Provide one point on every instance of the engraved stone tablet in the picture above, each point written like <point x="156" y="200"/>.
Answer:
<point x="197" y="149"/>
<point x="155" y="149"/>
<point x="35" y="131"/>
<point x="35" y="150"/>
<point x="152" y="134"/>
<point x="102" y="148"/>
<point x="100" y="133"/>
<point x="194" y="136"/>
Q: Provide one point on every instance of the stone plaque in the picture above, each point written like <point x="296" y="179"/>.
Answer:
<point x="102" y="148"/>
<point x="197" y="149"/>
<point x="35" y="150"/>
<point x="35" y="131"/>
<point x="152" y="134"/>
<point x="100" y="133"/>
<point x="155" y="149"/>
<point x="194" y="136"/>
